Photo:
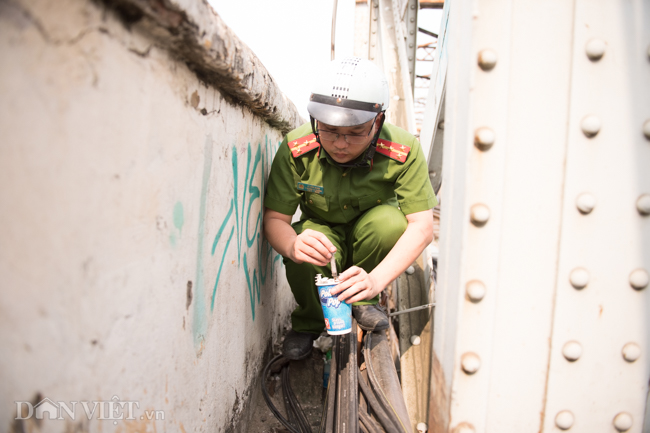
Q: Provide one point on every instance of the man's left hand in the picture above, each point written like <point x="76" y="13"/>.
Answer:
<point x="356" y="285"/>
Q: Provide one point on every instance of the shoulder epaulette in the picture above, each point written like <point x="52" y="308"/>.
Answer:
<point x="395" y="151"/>
<point x="303" y="145"/>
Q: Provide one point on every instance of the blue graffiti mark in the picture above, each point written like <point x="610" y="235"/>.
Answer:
<point x="251" y="193"/>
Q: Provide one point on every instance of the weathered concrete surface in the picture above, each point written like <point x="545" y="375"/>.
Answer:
<point x="195" y="34"/>
<point x="132" y="260"/>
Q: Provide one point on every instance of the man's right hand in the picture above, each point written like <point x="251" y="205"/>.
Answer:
<point x="312" y="247"/>
<point x="309" y="246"/>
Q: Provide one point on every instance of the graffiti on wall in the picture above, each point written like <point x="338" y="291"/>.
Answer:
<point x="241" y="228"/>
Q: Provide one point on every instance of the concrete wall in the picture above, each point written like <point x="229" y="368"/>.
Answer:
<point x="131" y="255"/>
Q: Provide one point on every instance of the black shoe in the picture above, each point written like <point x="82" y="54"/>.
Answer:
<point x="297" y="345"/>
<point x="370" y="317"/>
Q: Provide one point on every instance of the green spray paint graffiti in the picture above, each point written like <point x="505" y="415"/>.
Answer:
<point x="247" y="213"/>
<point x="179" y="220"/>
<point x="178" y="216"/>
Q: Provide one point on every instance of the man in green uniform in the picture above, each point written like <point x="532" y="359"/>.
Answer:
<point x="364" y="191"/>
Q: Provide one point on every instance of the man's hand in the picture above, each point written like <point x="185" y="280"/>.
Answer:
<point x="356" y="285"/>
<point x="312" y="247"/>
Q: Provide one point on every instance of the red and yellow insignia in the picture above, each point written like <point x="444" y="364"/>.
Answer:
<point x="395" y="151"/>
<point x="303" y="145"/>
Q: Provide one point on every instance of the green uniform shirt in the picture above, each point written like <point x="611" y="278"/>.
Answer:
<point x="339" y="195"/>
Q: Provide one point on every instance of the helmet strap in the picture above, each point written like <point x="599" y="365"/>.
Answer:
<point x="313" y="128"/>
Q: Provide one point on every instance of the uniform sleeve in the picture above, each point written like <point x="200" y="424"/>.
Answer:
<point x="281" y="193"/>
<point x="413" y="186"/>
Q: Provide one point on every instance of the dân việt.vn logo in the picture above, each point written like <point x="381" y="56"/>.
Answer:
<point x="113" y="410"/>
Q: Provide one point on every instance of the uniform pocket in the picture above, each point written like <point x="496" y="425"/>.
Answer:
<point x="318" y="201"/>
<point x="381" y="197"/>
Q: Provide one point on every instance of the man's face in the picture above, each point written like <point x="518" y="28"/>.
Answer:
<point x="340" y="150"/>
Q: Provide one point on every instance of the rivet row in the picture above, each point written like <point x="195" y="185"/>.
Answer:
<point x="586" y="202"/>
<point x="638" y="279"/>
<point x="572" y="351"/>
<point x="622" y="421"/>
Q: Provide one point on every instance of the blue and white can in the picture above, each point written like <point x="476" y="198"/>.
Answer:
<point x="338" y="314"/>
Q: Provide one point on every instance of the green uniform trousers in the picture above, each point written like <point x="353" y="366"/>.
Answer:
<point x="363" y="242"/>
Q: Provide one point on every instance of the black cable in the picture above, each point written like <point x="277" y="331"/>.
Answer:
<point x="288" y="404"/>
<point x="267" y="398"/>
<point x="299" y="413"/>
<point x="379" y="411"/>
<point x="372" y="377"/>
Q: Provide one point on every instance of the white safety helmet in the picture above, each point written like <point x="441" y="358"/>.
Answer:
<point x="349" y="92"/>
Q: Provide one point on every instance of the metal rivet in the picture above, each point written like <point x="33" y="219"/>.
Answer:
<point x="410" y="45"/>
<point x="412" y="20"/>
<point x="345" y="206"/>
<point x="410" y="57"/>
<point x="564" y="420"/>
<point x="623" y="421"/>
<point x="470" y="362"/>
<point x="595" y="49"/>
<point x="412" y="6"/>
<point x="415" y="340"/>
<point x="572" y="351"/>
<point x="378" y="201"/>
<point x="579" y="278"/>
<point x="643" y="204"/>
<point x="631" y="352"/>
<point x="590" y="125"/>
<point x="412" y="32"/>
<point x="646" y="129"/>
<point x="586" y="203"/>
<point x="487" y="59"/>
<point x="311" y="201"/>
<point x="441" y="125"/>
<point x="475" y="291"/>
<point x="484" y="138"/>
<point x="422" y="427"/>
<point x="479" y="214"/>
<point x="639" y="279"/>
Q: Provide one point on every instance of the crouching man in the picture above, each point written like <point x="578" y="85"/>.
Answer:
<point x="364" y="191"/>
